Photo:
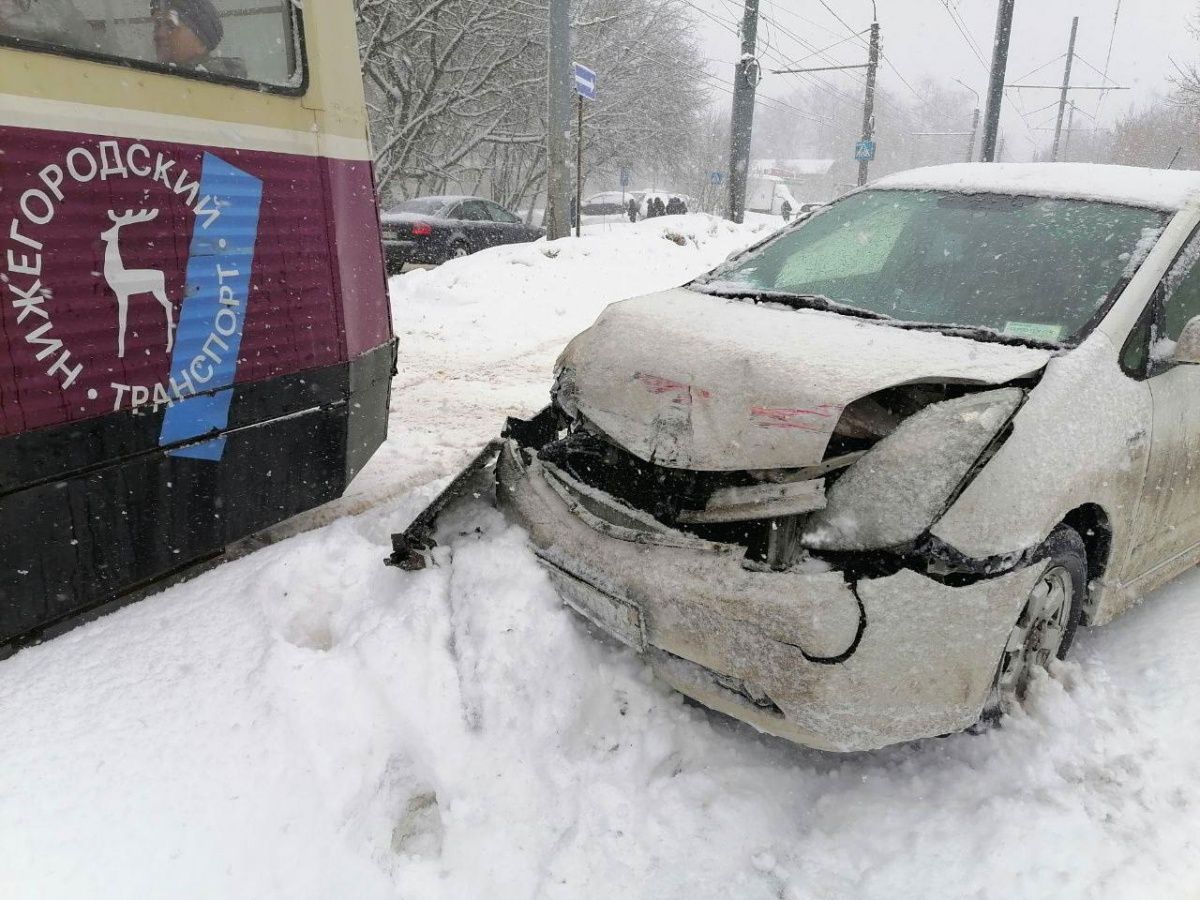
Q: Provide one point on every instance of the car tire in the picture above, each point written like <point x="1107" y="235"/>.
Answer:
<point x="1048" y="621"/>
<point x="459" y="249"/>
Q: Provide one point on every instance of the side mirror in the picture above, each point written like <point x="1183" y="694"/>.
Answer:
<point x="1187" y="348"/>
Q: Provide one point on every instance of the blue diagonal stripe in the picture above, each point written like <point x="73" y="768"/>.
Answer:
<point x="221" y="257"/>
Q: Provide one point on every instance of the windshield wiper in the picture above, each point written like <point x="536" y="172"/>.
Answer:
<point x="825" y="304"/>
<point x="787" y="298"/>
<point x="979" y="333"/>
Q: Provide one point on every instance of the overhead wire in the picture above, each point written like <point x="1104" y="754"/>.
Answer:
<point x="833" y="13"/>
<point x="1044" y="65"/>
<point x="1112" y="36"/>
<point x="825" y="50"/>
<point x="908" y="84"/>
<point x="773" y="29"/>
<point x="808" y="21"/>
<point x="821" y="54"/>
<point x="776" y="54"/>
<point x="973" y="46"/>
<point x="859" y="35"/>
<point x="1090" y="66"/>
<point x="728" y="86"/>
<point x="734" y="29"/>
<point x="766" y="24"/>
<point x="966" y="35"/>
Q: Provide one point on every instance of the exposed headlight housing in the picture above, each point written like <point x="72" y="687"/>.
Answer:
<point x="903" y="483"/>
<point x="565" y="392"/>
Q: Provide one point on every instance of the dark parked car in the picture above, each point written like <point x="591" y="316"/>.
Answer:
<point x="609" y="203"/>
<point x="435" y="229"/>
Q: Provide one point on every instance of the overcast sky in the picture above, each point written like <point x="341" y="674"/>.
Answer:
<point x="921" y="40"/>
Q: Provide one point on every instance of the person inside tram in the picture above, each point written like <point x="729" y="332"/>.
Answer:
<point x="52" y="21"/>
<point x="186" y="32"/>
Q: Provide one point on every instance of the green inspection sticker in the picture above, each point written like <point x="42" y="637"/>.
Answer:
<point x="1034" y="330"/>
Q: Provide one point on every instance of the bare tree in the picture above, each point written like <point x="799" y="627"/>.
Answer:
<point x="455" y="91"/>
<point x="1187" y="75"/>
<point x="652" y="103"/>
<point x="440" y="78"/>
<point x="1159" y="134"/>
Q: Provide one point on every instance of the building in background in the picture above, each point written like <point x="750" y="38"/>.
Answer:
<point x="798" y="181"/>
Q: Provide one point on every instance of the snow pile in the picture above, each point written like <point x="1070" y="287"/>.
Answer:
<point x="306" y="723"/>
<point x="502" y="297"/>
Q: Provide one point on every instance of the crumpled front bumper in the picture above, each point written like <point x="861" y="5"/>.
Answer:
<point x="803" y="655"/>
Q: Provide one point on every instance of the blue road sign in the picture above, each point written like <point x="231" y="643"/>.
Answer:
<point x="864" y="151"/>
<point x="716" y="177"/>
<point x="585" y="82"/>
<point x="626" y="177"/>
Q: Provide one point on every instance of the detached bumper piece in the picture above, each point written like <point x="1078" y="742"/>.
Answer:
<point x="813" y="656"/>
<point x="411" y="547"/>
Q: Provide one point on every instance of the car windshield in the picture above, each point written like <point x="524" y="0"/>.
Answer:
<point x="1029" y="267"/>
<point x="425" y="206"/>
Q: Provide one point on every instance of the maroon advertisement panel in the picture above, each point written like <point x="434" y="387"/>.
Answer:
<point x="96" y="238"/>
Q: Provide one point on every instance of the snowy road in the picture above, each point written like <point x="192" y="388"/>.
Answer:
<point x="305" y="723"/>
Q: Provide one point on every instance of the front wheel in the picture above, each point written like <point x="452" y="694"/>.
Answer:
<point x="1048" y="620"/>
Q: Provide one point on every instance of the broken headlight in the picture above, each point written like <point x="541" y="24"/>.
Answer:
<point x="565" y="392"/>
<point x="899" y="487"/>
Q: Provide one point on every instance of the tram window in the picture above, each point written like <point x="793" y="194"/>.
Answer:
<point x="251" y="40"/>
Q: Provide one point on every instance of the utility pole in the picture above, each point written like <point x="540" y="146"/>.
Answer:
<point x="974" y="120"/>
<point x="745" y="80"/>
<point x="995" y="94"/>
<point x="974" y="131"/>
<point x="558" y="120"/>
<point x="868" y="124"/>
<point x="579" y="172"/>
<point x="1066" y="86"/>
<point x="1070" y="127"/>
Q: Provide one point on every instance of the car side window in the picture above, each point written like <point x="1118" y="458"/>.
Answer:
<point x="500" y="214"/>
<point x="1135" y="355"/>
<point x="254" y="41"/>
<point x="1181" y="292"/>
<point x="470" y="211"/>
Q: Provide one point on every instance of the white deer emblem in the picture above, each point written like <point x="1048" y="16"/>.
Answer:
<point x="126" y="283"/>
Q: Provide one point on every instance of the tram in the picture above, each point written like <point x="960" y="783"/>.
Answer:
<point x="195" y="339"/>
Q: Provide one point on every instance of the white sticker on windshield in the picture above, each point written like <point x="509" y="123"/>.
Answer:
<point x="1033" y="330"/>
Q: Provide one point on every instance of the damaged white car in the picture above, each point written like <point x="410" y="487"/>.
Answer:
<point x="854" y="486"/>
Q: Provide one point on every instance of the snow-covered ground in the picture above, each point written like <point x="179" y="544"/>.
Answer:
<point x="303" y="722"/>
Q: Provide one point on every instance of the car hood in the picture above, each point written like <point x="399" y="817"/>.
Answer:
<point x="689" y="380"/>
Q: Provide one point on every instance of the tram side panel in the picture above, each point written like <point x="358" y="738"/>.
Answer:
<point x="195" y="345"/>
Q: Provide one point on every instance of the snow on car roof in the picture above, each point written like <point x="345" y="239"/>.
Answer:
<point x="1156" y="188"/>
